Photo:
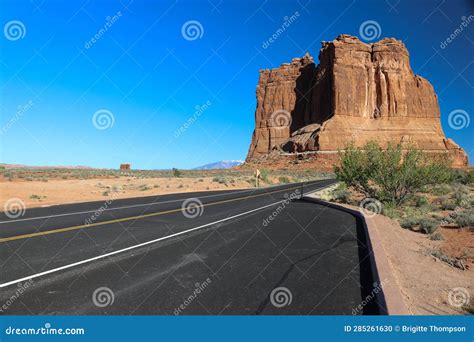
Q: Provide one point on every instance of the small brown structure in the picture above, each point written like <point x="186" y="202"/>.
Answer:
<point x="124" y="166"/>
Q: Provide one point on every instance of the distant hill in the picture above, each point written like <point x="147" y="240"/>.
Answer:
<point x="223" y="164"/>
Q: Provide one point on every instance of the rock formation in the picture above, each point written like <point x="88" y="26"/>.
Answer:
<point x="358" y="92"/>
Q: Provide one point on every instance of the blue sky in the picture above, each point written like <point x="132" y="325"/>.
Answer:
<point x="144" y="74"/>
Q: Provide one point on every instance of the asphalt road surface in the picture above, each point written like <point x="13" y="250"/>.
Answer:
<point x="258" y="251"/>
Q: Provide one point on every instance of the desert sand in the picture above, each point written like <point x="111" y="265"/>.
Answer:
<point x="41" y="194"/>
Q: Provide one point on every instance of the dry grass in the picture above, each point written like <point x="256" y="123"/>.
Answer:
<point x="43" y="187"/>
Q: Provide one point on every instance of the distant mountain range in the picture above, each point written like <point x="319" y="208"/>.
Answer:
<point x="223" y="164"/>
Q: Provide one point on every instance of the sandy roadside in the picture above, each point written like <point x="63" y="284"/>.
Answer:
<point x="39" y="194"/>
<point x="425" y="281"/>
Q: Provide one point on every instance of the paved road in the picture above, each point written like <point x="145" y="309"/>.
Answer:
<point x="263" y="251"/>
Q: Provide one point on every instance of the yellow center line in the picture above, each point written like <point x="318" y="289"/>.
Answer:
<point x="90" y="225"/>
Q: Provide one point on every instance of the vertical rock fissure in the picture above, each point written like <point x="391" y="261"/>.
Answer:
<point x="358" y="92"/>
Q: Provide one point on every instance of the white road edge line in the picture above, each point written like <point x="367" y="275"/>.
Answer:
<point x="131" y="247"/>
<point x="138" y="205"/>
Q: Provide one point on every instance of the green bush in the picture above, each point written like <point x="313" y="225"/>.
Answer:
<point x="421" y="201"/>
<point x="342" y="196"/>
<point x="264" y="174"/>
<point x="463" y="177"/>
<point x="391" y="211"/>
<point x="176" y="172"/>
<point x="283" y="179"/>
<point x="391" y="175"/>
<point x="461" y="196"/>
<point x="448" y="205"/>
<point x="220" y="180"/>
<point x="408" y="222"/>
<point x="429" y="226"/>
<point x="440" y="189"/>
<point x="465" y="218"/>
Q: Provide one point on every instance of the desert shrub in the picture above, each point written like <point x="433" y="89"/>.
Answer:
<point x="429" y="226"/>
<point x="436" y="236"/>
<point x="461" y="197"/>
<point x="283" y="179"/>
<point x="409" y="222"/>
<point x="391" y="175"/>
<point x="176" y="172"/>
<point x="391" y="210"/>
<point x="144" y="187"/>
<point x="465" y="218"/>
<point x="220" y="180"/>
<point x="455" y="262"/>
<point x="343" y="196"/>
<point x="440" y="189"/>
<point x="264" y="174"/>
<point x="463" y="176"/>
<point x="421" y="201"/>
<point x="448" y="205"/>
<point x="341" y="193"/>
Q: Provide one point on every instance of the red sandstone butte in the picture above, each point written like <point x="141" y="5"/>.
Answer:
<point x="358" y="92"/>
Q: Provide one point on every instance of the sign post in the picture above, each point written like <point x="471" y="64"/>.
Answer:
<point x="257" y="177"/>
